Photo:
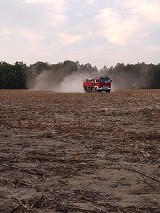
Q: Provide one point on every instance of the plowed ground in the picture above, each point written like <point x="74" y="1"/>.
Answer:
<point x="78" y="152"/>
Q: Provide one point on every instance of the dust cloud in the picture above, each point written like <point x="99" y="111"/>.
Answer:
<point x="43" y="81"/>
<point x="47" y="80"/>
<point x="74" y="82"/>
<point x="71" y="83"/>
<point x="130" y="81"/>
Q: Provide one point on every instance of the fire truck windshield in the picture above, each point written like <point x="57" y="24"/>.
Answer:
<point x="103" y="80"/>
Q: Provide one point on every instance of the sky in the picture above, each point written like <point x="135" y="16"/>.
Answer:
<point x="100" y="32"/>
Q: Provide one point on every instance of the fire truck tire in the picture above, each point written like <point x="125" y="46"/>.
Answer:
<point x="96" y="89"/>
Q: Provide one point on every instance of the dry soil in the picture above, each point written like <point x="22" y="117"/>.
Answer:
<point x="73" y="152"/>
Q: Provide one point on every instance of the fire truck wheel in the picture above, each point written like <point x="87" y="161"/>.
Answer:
<point x="95" y="89"/>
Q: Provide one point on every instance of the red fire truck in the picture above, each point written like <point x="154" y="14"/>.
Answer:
<point x="98" y="84"/>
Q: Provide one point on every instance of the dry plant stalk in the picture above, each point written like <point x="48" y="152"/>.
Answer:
<point x="139" y="149"/>
<point x="56" y="123"/>
<point x="21" y="203"/>
<point x="79" y="123"/>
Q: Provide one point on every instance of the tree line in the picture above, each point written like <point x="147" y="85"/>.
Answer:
<point x="21" y="76"/>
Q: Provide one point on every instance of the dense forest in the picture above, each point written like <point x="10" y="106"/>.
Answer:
<point x="21" y="76"/>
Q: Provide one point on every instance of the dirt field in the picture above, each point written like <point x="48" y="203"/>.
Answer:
<point x="80" y="152"/>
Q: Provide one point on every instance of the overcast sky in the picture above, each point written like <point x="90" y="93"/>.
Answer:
<point x="101" y="32"/>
